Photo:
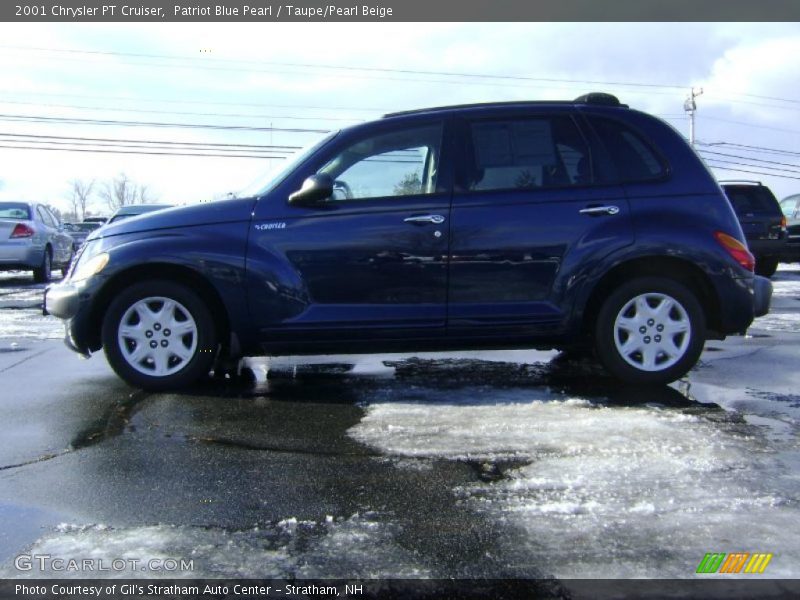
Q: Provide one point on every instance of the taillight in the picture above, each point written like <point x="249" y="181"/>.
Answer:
<point x="737" y="250"/>
<point x="783" y="223"/>
<point x="22" y="231"/>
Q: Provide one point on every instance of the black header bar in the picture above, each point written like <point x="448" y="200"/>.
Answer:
<point x="159" y="11"/>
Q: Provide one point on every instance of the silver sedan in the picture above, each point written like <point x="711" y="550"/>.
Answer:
<point x="32" y="238"/>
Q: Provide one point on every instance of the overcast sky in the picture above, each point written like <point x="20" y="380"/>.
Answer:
<point x="322" y="76"/>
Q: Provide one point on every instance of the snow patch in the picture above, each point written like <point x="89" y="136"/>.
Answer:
<point x="357" y="547"/>
<point x="608" y="491"/>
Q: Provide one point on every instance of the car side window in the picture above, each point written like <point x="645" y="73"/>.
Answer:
<point x="529" y="153"/>
<point x="53" y="219"/>
<point x="632" y="156"/>
<point x="44" y="216"/>
<point x="400" y="163"/>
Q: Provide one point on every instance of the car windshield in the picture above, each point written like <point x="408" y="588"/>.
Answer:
<point x="266" y="182"/>
<point x="18" y="211"/>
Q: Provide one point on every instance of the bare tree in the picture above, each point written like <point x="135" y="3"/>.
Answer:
<point x="122" y="191"/>
<point x="79" y="193"/>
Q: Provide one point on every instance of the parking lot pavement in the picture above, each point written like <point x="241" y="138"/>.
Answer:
<point x="494" y="464"/>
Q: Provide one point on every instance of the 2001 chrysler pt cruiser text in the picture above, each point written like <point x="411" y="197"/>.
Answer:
<point x="528" y="224"/>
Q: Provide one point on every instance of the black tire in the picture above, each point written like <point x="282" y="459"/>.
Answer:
<point x="630" y="366"/>
<point x="199" y="347"/>
<point x="44" y="272"/>
<point x="766" y="266"/>
<point x="66" y="265"/>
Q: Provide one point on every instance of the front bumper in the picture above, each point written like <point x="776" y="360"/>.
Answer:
<point x="762" y="295"/>
<point x="64" y="301"/>
<point x="61" y="301"/>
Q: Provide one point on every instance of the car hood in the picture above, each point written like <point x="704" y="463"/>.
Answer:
<point x="222" y="211"/>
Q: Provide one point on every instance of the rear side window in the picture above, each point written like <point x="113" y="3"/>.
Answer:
<point x="632" y="156"/>
<point x="527" y="153"/>
<point x="751" y="199"/>
<point x="45" y="216"/>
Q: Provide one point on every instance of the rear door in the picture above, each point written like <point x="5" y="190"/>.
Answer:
<point x="528" y="213"/>
<point x="59" y="240"/>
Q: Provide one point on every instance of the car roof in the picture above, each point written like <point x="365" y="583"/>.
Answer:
<point x="594" y="98"/>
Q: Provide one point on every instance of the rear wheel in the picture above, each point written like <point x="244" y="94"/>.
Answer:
<point x="766" y="266"/>
<point x="650" y="331"/>
<point x="159" y="335"/>
<point x="43" y="272"/>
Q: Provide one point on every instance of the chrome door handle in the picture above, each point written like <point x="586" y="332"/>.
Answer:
<point x="600" y="210"/>
<point x="435" y="219"/>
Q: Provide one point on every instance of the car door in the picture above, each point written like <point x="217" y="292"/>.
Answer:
<point x="528" y="215"/>
<point x="370" y="261"/>
<point x="58" y="239"/>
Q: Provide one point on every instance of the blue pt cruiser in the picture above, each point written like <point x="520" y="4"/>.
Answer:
<point x="579" y="224"/>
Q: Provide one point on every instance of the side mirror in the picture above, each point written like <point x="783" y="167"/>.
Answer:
<point x="316" y="189"/>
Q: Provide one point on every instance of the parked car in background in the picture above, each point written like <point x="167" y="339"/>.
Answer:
<point x="79" y="232"/>
<point x="790" y="206"/>
<point x="578" y="224"/>
<point x="133" y="210"/>
<point x="32" y="238"/>
<point x="100" y="220"/>
<point x="762" y="221"/>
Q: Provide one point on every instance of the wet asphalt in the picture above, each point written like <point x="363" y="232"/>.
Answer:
<point x="79" y="446"/>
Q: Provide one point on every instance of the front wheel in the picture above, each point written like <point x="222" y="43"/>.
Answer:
<point x="159" y="335"/>
<point x="650" y="331"/>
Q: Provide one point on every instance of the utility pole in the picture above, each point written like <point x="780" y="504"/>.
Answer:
<point x="690" y="106"/>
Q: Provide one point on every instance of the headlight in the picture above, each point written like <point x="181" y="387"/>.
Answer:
<point x="86" y="268"/>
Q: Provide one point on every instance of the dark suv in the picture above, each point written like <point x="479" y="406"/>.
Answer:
<point x="763" y="223"/>
<point x="580" y="224"/>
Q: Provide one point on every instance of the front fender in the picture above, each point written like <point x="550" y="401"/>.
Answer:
<point x="216" y="253"/>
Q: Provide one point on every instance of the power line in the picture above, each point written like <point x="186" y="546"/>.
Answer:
<point x="75" y="120"/>
<point x="761" y="160"/>
<point x="110" y="151"/>
<point x="733" y="162"/>
<point x="724" y="168"/>
<point x="176" y="112"/>
<point x="277" y="148"/>
<point x="751" y="103"/>
<point x="194" y="151"/>
<point x="572" y="84"/>
<point x="294" y="65"/>
<point x="195" y="101"/>
<point x="486" y="77"/>
<point x="755" y="149"/>
<point x="745" y="124"/>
